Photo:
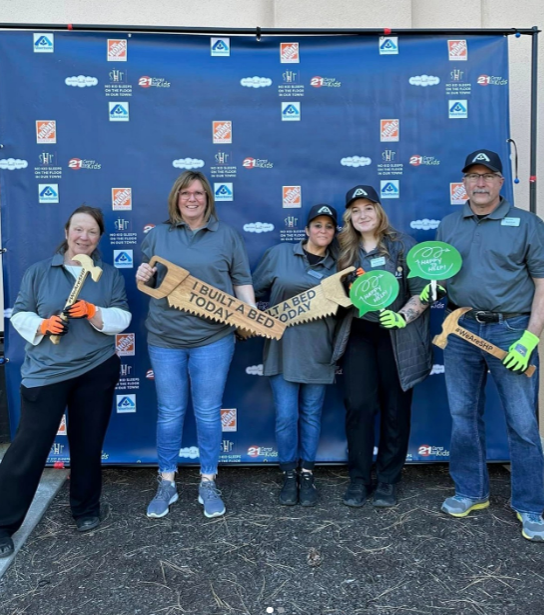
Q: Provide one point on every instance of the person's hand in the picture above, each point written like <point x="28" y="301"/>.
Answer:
<point x="519" y="353"/>
<point x="145" y="273"/>
<point x="427" y="294"/>
<point x="348" y="280"/>
<point x="80" y="309"/>
<point x="54" y="326"/>
<point x="392" y="320"/>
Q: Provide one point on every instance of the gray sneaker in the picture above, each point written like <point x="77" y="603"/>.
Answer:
<point x="166" y="495"/>
<point x="532" y="526"/>
<point x="210" y="496"/>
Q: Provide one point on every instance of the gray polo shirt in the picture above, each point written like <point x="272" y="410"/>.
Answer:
<point x="394" y="262"/>
<point x="44" y="290"/>
<point x="304" y="352"/>
<point x="214" y="254"/>
<point x="501" y="253"/>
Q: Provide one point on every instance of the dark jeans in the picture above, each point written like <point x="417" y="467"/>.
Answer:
<point x="371" y="386"/>
<point x="89" y="401"/>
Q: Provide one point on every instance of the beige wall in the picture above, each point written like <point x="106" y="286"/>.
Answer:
<point x="331" y="14"/>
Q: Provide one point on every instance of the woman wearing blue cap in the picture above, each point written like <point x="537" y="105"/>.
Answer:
<point x="299" y="365"/>
<point x="384" y="355"/>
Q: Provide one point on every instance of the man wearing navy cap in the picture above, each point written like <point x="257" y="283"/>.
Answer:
<point x="502" y="279"/>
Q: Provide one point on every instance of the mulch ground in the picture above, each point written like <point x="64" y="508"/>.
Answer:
<point x="262" y="558"/>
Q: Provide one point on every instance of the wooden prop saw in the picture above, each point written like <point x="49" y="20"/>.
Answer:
<point x="450" y="325"/>
<point x="87" y="268"/>
<point x="187" y="293"/>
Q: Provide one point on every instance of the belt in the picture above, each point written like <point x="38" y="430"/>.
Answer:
<point x="486" y="317"/>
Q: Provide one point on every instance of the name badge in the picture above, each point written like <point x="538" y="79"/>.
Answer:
<point x="315" y="274"/>
<point x="510" y="222"/>
<point x="376" y="262"/>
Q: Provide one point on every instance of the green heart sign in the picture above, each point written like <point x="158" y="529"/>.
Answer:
<point x="433" y="260"/>
<point x="374" y="291"/>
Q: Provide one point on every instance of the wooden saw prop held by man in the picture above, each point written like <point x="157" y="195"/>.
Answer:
<point x="185" y="292"/>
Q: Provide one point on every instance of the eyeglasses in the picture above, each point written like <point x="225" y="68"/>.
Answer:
<point x="185" y="196"/>
<point x="487" y="177"/>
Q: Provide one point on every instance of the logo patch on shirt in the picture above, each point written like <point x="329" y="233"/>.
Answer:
<point x="510" y="222"/>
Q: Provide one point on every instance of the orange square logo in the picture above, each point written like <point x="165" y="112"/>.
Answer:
<point x="121" y="198"/>
<point x="292" y="196"/>
<point x="117" y="49"/>
<point x="125" y="344"/>
<point x="46" y="131"/>
<point x="458" y="195"/>
<point x="289" y="53"/>
<point x="229" y="419"/>
<point x="389" y="130"/>
<point x="222" y="132"/>
<point x="458" y="50"/>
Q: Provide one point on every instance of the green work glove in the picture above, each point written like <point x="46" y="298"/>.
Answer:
<point x="392" y="320"/>
<point x="426" y="294"/>
<point x="519" y="353"/>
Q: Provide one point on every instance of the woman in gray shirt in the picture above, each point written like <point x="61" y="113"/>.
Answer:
<point x="299" y="364"/>
<point x="190" y="349"/>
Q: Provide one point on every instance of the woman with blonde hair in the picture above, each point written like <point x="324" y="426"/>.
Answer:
<point x="184" y="348"/>
<point x="384" y="354"/>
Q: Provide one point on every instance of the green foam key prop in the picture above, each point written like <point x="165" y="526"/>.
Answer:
<point x="374" y="291"/>
<point x="433" y="260"/>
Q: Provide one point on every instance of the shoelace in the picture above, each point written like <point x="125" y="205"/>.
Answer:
<point x="212" y="492"/>
<point x="534" y="518"/>
<point x="162" y="493"/>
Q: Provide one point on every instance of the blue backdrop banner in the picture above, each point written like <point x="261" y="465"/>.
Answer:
<point x="277" y="125"/>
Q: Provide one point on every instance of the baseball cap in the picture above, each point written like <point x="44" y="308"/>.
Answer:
<point x="361" y="192"/>
<point x="322" y="210"/>
<point x="485" y="157"/>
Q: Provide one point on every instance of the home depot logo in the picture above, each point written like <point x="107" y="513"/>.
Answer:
<point x="121" y="198"/>
<point x="289" y="53"/>
<point x="125" y="344"/>
<point x="229" y="419"/>
<point x="389" y="130"/>
<point x="117" y="50"/>
<point x="458" y="50"/>
<point x="46" y="131"/>
<point x="458" y="195"/>
<point x="222" y="132"/>
<point x="292" y="196"/>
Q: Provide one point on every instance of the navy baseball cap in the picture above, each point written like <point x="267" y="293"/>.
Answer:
<point x="322" y="210"/>
<point x="361" y="192"/>
<point x="485" y="157"/>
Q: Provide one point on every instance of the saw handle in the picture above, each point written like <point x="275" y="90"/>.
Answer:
<point x="173" y="278"/>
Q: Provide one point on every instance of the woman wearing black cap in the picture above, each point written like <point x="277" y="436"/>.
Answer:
<point x="384" y="355"/>
<point x="299" y="365"/>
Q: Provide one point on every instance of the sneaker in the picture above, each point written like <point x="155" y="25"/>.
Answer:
<point x="166" y="495"/>
<point x="458" y="506"/>
<point x="6" y="546"/>
<point x="210" y="496"/>
<point x="308" y="492"/>
<point x="385" y="495"/>
<point x="532" y="526"/>
<point x="355" y="495"/>
<point x="289" y="490"/>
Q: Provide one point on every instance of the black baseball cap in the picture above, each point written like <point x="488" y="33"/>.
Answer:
<point x="322" y="210"/>
<point x="361" y="192"/>
<point x="485" y="157"/>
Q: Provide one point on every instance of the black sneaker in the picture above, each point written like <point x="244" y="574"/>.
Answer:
<point x="355" y="495"/>
<point x="308" y="492"/>
<point x="385" y="495"/>
<point x="289" y="491"/>
<point x="6" y="546"/>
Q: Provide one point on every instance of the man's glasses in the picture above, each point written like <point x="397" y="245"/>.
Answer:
<point x="487" y="177"/>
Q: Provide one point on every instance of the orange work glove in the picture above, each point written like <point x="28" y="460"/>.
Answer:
<point x="80" y="309"/>
<point x="54" y="326"/>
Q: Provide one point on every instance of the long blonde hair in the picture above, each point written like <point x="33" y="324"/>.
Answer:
<point x="183" y="182"/>
<point x="350" y="239"/>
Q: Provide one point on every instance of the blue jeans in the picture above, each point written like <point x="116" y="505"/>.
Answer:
<point x="298" y="421"/>
<point x="466" y="374"/>
<point x="207" y="368"/>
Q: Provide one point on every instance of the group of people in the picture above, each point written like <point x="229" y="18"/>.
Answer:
<point x="383" y="354"/>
